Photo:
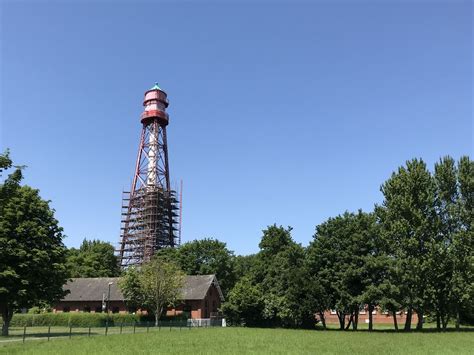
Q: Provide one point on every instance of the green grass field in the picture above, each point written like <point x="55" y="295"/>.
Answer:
<point x="247" y="340"/>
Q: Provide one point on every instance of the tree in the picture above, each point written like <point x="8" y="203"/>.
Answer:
<point x="273" y="286"/>
<point x="12" y="182"/>
<point x="279" y="269"/>
<point x="284" y="281"/>
<point x="155" y="286"/>
<point x="345" y="259"/>
<point x="409" y="222"/>
<point x="374" y="264"/>
<point x="32" y="255"/>
<point x="244" y="303"/>
<point x="452" y="260"/>
<point x="94" y="258"/>
<point x="391" y="285"/>
<point x="441" y="257"/>
<point x="463" y="249"/>
<point x="203" y="257"/>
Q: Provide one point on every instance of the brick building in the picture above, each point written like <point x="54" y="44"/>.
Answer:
<point x="202" y="296"/>
<point x="378" y="317"/>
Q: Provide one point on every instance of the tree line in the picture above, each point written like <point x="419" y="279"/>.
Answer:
<point x="413" y="252"/>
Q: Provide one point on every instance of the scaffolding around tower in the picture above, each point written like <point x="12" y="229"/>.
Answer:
<point x="149" y="223"/>
<point x="150" y="209"/>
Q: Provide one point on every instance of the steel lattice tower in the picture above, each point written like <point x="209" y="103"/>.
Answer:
<point x="149" y="209"/>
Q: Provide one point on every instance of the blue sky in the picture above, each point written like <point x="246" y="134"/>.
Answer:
<point x="280" y="112"/>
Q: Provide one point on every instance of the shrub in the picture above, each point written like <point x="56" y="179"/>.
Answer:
<point x="72" y="319"/>
<point x="34" y="310"/>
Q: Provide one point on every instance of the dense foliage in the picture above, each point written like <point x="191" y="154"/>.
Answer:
<point x="94" y="258"/>
<point x="32" y="255"/>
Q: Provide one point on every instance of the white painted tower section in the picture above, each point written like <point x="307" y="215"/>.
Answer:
<point x="152" y="156"/>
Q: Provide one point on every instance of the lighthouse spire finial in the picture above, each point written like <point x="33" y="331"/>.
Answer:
<point x="155" y="87"/>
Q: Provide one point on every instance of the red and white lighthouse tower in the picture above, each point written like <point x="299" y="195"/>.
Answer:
<point x="149" y="209"/>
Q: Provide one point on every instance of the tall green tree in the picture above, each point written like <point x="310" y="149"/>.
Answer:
<point x="274" y="284"/>
<point x="344" y="258"/>
<point x="374" y="264"/>
<point x="155" y="286"/>
<point x="442" y="258"/>
<point x="279" y="269"/>
<point x="94" y="258"/>
<point x="455" y="202"/>
<point x="32" y="255"/>
<point x="409" y="221"/>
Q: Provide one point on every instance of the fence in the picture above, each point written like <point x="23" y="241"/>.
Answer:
<point x="207" y="322"/>
<point x="50" y="332"/>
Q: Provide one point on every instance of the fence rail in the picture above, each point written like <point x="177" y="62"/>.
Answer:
<point x="24" y="333"/>
<point x="50" y="332"/>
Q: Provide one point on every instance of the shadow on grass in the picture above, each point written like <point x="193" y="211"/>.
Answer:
<point x="401" y="330"/>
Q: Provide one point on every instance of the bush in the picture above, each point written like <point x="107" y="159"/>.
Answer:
<point x="79" y="319"/>
<point x="34" y="310"/>
<point x="72" y="319"/>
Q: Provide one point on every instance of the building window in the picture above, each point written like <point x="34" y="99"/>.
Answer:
<point x="333" y="311"/>
<point x="362" y="309"/>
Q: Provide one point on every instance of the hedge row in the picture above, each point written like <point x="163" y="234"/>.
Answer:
<point x="72" y="319"/>
<point x="86" y="319"/>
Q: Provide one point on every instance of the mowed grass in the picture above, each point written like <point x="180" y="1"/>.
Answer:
<point x="253" y="341"/>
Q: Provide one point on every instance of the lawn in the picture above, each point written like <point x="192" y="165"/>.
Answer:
<point x="247" y="340"/>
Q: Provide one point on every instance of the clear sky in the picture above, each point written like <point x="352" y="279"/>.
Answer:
<point x="284" y="113"/>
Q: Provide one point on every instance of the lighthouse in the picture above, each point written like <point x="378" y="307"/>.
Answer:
<point x="150" y="208"/>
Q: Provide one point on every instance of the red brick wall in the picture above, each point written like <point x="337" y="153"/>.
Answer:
<point x="196" y="308"/>
<point x="191" y="307"/>
<point x="378" y="317"/>
<point x="199" y="308"/>
<point x="212" y="302"/>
